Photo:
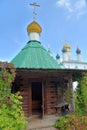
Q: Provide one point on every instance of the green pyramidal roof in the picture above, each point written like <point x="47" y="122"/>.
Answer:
<point x="34" y="56"/>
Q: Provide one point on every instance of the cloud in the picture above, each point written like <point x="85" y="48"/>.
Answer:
<point x="80" y="4"/>
<point x="66" y="4"/>
<point x="73" y="8"/>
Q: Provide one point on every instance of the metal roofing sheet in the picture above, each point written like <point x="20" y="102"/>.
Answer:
<point x="34" y="55"/>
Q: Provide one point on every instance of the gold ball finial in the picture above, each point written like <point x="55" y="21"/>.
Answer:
<point x="34" y="27"/>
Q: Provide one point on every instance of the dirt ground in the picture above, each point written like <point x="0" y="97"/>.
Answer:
<point x="47" y="123"/>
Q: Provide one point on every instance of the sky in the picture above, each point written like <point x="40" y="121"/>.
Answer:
<point x="61" y="21"/>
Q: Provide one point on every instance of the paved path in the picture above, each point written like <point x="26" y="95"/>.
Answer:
<point x="42" y="124"/>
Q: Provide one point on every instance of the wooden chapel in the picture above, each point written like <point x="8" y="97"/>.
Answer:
<point x="41" y="80"/>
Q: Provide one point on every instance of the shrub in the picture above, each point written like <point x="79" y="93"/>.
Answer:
<point x="81" y="95"/>
<point x="11" y="113"/>
<point x="72" y="122"/>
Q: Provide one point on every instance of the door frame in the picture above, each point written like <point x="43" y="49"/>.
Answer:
<point x="30" y="97"/>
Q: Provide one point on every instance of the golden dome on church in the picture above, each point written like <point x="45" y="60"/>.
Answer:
<point x="34" y="27"/>
<point x="67" y="47"/>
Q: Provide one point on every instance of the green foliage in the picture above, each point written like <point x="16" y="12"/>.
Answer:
<point x="68" y="95"/>
<point x="61" y="123"/>
<point x="77" y="120"/>
<point x="81" y="95"/>
<point x="11" y="113"/>
<point x="72" y="122"/>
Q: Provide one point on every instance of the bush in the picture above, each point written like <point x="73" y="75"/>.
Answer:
<point x="78" y="120"/>
<point x="72" y="122"/>
<point x="11" y="113"/>
<point x="81" y="95"/>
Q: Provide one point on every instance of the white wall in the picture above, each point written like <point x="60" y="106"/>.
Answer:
<point x="74" y="65"/>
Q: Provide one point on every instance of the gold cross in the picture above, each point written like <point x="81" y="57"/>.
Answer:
<point x="34" y="4"/>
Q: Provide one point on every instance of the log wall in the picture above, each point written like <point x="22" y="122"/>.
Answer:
<point x="24" y="90"/>
<point x="51" y="94"/>
<point x="50" y="98"/>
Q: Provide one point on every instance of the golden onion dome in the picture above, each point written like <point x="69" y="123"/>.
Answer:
<point x="67" y="47"/>
<point x="34" y="27"/>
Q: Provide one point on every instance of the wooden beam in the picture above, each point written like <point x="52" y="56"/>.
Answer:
<point x="72" y="104"/>
<point x="43" y="85"/>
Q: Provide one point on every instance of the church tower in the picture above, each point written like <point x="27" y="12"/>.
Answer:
<point x="66" y="52"/>
<point x="79" y="56"/>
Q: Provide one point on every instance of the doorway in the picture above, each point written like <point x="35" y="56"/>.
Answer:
<point x="36" y="98"/>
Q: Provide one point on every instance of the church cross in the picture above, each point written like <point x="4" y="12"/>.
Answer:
<point x="34" y="4"/>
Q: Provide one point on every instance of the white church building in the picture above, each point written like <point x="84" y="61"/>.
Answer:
<point x="67" y="61"/>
